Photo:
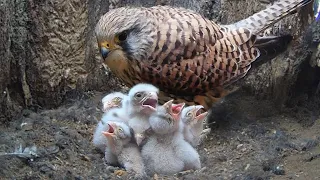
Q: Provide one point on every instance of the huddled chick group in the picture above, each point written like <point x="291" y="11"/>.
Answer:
<point x="146" y="138"/>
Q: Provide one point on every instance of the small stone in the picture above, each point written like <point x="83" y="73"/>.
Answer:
<point x="202" y="170"/>
<point x="278" y="170"/>
<point x="243" y="149"/>
<point x="26" y="112"/>
<point x="239" y="146"/>
<point x="183" y="173"/>
<point x="26" y="126"/>
<point x="313" y="157"/>
<point x="111" y="168"/>
<point x="53" y="149"/>
<point x="45" y="168"/>
<point x="84" y="157"/>
<point x="247" y="167"/>
<point x="104" y="176"/>
<point x="309" y="144"/>
<point x="222" y="158"/>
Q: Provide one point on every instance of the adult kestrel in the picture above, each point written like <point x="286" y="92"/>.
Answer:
<point x="187" y="56"/>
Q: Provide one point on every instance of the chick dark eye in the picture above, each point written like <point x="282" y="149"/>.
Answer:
<point x="138" y="95"/>
<point x="122" y="36"/>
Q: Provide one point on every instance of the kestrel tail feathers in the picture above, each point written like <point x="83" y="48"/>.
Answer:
<point x="260" y="21"/>
<point x="271" y="46"/>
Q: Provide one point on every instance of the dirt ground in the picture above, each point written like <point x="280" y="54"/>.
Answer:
<point x="250" y="139"/>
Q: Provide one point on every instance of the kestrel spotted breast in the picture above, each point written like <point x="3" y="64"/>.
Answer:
<point x="187" y="56"/>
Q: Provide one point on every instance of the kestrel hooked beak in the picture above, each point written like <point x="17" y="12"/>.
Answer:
<point x="108" y="46"/>
<point x="174" y="109"/>
<point x="150" y="101"/>
<point x="196" y="114"/>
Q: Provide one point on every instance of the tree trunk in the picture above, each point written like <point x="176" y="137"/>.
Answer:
<point x="48" y="49"/>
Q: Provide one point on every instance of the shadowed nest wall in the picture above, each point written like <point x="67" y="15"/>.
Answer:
<point x="48" y="49"/>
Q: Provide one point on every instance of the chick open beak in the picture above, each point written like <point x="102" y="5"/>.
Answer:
<point x="168" y="104"/>
<point x="200" y="116"/>
<point x="151" y="101"/>
<point x="176" y="110"/>
<point x="110" y="132"/>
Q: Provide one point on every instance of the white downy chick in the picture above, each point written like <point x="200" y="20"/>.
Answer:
<point x="112" y="100"/>
<point x="142" y="102"/>
<point x="115" y="114"/>
<point x="166" y="152"/>
<point x="192" y="124"/>
<point x="120" y="114"/>
<point x="127" y="153"/>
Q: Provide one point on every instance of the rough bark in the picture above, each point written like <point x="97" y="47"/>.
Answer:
<point x="48" y="48"/>
<point x="7" y="106"/>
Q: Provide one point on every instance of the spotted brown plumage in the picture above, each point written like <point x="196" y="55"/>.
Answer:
<point x="188" y="57"/>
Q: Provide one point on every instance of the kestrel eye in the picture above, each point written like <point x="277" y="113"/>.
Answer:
<point x="138" y="95"/>
<point x="122" y="36"/>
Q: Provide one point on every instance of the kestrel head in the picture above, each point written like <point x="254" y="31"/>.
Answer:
<point x="117" y="130"/>
<point x="112" y="100"/>
<point x="192" y="114"/>
<point x="143" y="98"/>
<point x="117" y="134"/>
<point x="174" y="110"/>
<point x="125" y="32"/>
<point x="166" y="118"/>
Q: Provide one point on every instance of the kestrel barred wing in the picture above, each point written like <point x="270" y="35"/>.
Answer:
<point x="188" y="57"/>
